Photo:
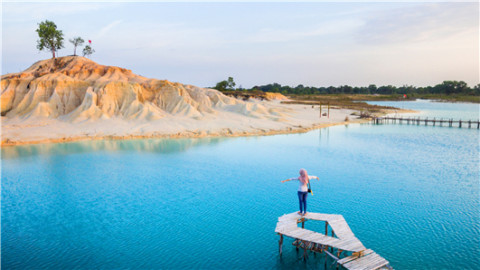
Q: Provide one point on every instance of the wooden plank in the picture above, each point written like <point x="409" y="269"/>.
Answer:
<point x="379" y="265"/>
<point x="331" y="255"/>
<point x="318" y="216"/>
<point x="352" y="245"/>
<point x="376" y="263"/>
<point x="353" y="257"/>
<point x="291" y="232"/>
<point x="285" y="229"/>
<point x="365" y="261"/>
<point x="300" y="233"/>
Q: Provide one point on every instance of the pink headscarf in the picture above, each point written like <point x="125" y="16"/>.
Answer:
<point x="303" y="176"/>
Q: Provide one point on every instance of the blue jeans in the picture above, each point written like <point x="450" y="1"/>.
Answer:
<point x="302" y="198"/>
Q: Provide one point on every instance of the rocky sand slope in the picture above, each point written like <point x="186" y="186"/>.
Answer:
<point x="74" y="98"/>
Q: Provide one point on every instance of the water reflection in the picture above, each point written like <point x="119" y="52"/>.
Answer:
<point x="140" y="145"/>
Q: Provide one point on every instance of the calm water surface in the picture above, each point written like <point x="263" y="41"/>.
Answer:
<point x="411" y="193"/>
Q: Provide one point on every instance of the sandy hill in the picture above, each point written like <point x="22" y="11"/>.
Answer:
<point x="76" y="88"/>
<point x="74" y="98"/>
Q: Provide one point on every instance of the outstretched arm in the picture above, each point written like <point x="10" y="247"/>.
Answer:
<point x="286" y="180"/>
<point x="313" y="177"/>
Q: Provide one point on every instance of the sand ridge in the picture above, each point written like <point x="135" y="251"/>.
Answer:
<point x="73" y="98"/>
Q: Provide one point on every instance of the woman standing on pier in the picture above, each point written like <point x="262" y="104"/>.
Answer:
<point x="304" y="179"/>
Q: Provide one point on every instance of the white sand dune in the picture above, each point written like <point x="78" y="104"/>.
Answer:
<point x="75" y="98"/>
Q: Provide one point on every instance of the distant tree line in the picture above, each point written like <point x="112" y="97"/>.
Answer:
<point x="446" y="87"/>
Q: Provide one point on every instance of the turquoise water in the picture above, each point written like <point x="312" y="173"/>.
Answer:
<point x="428" y="108"/>
<point x="411" y="193"/>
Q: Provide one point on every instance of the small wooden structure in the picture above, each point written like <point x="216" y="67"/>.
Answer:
<point x="342" y="240"/>
<point x="328" y="110"/>
<point x="426" y="121"/>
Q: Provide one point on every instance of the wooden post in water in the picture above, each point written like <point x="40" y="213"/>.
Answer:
<point x="434" y="121"/>
<point x="469" y="123"/>
<point x="320" y="110"/>
<point x="305" y="254"/>
<point x="326" y="228"/>
<point x="329" y="110"/>
<point x="426" y="119"/>
<point x="333" y="234"/>
<point x="460" y="123"/>
<point x="338" y="255"/>
<point x="280" y="244"/>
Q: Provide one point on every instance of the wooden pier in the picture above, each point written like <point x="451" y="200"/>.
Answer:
<point x="342" y="245"/>
<point x="425" y="121"/>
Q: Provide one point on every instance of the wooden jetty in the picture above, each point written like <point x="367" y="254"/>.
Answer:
<point x="425" y="121"/>
<point x="341" y="242"/>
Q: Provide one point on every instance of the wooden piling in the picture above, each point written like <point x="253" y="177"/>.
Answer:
<point x="304" y="251"/>
<point x="280" y="243"/>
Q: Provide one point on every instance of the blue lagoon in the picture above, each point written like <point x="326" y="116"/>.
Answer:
<point x="411" y="193"/>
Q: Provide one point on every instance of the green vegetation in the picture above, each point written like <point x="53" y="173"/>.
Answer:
<point x="51" y="39"/>
<point x="445" y="88"/>
<point x="224" y="85"/>
<point x="76" y="41"/>
<point x="453" y="91"/>
<point x="87" y="51"/>
<point x="339" y="101"/>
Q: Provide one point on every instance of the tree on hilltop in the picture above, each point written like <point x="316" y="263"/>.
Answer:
<point x="76" y="41"/>
<point x="50" y="38"/>
<point x="88" y="50"/>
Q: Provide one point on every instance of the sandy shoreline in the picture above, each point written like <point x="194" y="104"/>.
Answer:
<point x="185" y="134"/>
<point x="301" y="118"/>
<point x="74" y="98"/>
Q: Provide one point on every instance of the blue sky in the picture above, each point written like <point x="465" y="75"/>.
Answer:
<point x="310" y="43"/>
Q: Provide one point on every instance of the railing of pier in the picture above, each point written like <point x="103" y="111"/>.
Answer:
<point x="428" y="122"/>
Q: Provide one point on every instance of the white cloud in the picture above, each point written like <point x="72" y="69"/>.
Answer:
<point x="417" y="23"/>
<point x="270" y="35"/>
<point x="107" y="28"/>
<point x="16" y="11"/>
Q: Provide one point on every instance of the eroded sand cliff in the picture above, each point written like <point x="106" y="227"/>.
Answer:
<point x="74" y="98"/>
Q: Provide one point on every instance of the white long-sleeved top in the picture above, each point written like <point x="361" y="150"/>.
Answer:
<point x="304" y="187"/>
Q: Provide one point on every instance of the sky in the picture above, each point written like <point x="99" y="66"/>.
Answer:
<point x="291" y="43"/>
